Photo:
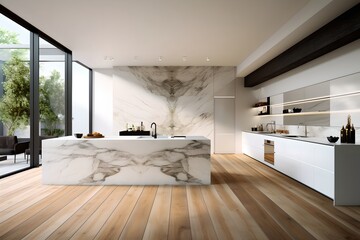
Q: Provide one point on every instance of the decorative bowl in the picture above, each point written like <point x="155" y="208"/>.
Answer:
<point x="78" y="135"/>
<point x="333" y="139"/>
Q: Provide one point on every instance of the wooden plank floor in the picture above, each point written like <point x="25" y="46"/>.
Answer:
<point x="247" y="200"/>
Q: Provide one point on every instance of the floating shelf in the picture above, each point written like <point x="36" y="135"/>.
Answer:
<point x="316" y="99"/>
<point x="310" y="113"/>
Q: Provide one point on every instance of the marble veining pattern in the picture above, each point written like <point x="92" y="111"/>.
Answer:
<point x="178" y="99"/>
<point x="117" y="162"/>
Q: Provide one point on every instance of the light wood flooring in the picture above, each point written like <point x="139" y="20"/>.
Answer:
<point x="246" y="200"/>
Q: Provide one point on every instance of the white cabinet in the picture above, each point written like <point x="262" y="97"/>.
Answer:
<point x="309" y="163"/>
<point x="324" y="182"/>
<point x="224" y="125"/>
<point x="253" y="145"/>
<point x="291" y="159"/>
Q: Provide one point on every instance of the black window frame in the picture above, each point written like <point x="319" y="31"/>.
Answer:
<point x="35" y="35"/>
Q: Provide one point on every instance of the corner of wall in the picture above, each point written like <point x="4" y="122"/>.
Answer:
<point x="245" y="99"/>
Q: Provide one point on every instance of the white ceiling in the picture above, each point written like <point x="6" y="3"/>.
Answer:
<point x="242" y="33"/>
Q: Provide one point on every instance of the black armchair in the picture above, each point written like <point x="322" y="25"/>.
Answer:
<point x="9" y="145"/>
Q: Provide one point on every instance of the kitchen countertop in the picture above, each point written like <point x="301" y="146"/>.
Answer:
<point x="142" y="138"/>
<point x="318" y="140"/>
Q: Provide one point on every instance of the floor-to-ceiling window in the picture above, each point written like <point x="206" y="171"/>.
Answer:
<point x="52" y="90"/>
<point x="35" y="92"/>
<point x="14" y="96"/>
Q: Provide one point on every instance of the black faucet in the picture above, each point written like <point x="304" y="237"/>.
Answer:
<point x="155" y="134"/>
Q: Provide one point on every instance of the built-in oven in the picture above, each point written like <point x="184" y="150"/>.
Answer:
<point x="269" y="151"/>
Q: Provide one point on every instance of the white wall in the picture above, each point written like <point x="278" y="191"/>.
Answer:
<point x="103" y="101"/>
<point x="113" y="94"/>
<point x="224" y="111"/>
<point x="244" y="116"/>
<point x="178" y="99"/>
<point x="80" y="99"/>
<point x="338" y="63"/>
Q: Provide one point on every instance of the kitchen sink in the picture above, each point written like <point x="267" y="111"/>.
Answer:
<point x="294" y="136"/>
<point x="151" y="137"/>
<point x="146" y="137"/>
<point x="263" y="132"/>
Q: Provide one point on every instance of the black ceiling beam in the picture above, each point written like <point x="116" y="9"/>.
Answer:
<point x="337" y="33"/>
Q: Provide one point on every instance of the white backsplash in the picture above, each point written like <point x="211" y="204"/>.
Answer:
<point x="317" y="131"/>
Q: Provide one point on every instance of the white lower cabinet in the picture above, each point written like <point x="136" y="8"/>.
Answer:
<point x="253" y="145"/>
<point x="309" y="163"/>
<point x="254" y="152"/>
<point x="324" y="182"/>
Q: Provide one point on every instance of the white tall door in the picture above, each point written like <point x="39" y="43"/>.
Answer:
<point x="224" y="122"/>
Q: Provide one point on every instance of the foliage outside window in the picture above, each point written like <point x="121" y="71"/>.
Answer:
<point x="7" y="37"/>
<point x="52" y="107"/>
<point x="15" y="105"/>
<point x="15" y="102"/>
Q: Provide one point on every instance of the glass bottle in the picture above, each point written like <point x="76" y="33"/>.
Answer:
<point x="348" y="129"/>
<point x="343" y="135"/>
<point x="352" y="134"/>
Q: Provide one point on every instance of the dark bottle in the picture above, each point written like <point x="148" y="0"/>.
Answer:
<point x="352" y="134"/>
<point x="343" y="135"/>
<point x="348" y="129"/>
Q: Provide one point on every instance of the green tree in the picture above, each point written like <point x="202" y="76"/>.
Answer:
<point x="52" y="106"/>
<point x="7" y="37"/>
<point x="14" y="104"/>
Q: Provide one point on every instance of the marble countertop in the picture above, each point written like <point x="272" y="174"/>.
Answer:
<point x="128" y="138"/>
<point x="318" y="140"/>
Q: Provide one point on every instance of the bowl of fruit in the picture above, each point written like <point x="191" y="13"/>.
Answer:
<point x="94" y="135"/>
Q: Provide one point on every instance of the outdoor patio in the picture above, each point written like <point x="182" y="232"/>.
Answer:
<point x="8" y="165"/>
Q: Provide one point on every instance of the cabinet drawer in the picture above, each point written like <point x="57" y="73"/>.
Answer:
<point x="296" y="169"/>
<point x="324" y="182"/>
<point x="324" y="157"/>
<point x="257" y="153"/>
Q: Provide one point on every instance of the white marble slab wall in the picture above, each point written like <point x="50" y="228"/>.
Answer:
<point x="178" y="99"/>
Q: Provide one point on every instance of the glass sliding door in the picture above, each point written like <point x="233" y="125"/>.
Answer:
<point x="36" y="93"/>
<point x="14" y="96"/>
<point x="51" y="91"/>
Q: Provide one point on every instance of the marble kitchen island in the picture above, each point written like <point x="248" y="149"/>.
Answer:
<point x="126" y="161"/>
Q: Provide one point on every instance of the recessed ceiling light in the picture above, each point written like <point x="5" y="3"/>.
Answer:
<point x="160" y="59"/>
<point x="207" y="59"/>
<point x="184" y="58"/>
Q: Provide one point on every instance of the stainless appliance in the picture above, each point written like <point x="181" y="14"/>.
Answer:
<point x="269" y="151"/>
